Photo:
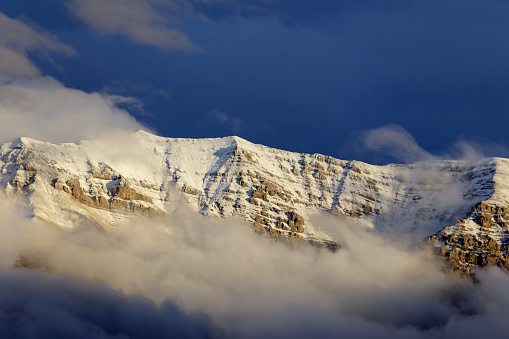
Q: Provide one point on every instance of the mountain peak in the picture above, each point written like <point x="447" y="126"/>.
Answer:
<point x="275" y="191"/>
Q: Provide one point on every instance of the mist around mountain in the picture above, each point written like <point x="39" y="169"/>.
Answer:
<point x="196" y="277"/>
<point x="184" y="274"/>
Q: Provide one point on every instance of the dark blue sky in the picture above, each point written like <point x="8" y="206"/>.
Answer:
<point x="305" y="76"/>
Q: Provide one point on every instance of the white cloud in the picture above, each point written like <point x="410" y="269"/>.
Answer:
<point x="395" y="141"/>
<point x="44" y="109"/>
<point x="138" y="20"/>
<point x="41" y="107"/>
<point x="247" y="285"/>
<point x="477" y="149"/>
<point x="16" y="39"/>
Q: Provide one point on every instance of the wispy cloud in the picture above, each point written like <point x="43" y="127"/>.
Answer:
<point x="234" y="123"/>
<point x="125" y="86"/>
<point x="43" y="108"/>
<point x="397" y="144"/>
<point x="32" y="105"/>
<point x="17" y="39"/>
<point x="138" y="20"/>
<point x="395" y="141"/>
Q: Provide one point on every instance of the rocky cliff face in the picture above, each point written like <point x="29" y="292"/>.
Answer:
<point x="481" y="238"/>
<point x="462" y="207"/>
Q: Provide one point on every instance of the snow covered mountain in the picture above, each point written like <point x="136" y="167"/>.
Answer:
<point x="462" y="207"/>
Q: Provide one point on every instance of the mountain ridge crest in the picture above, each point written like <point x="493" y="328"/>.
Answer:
<point x="276" y="191"/>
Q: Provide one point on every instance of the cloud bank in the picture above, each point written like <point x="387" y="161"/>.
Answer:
<point x="35" y="305"/>
<point x="219" y="279"/>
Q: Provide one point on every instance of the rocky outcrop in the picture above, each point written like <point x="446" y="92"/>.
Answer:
<point x="125" y="192"/>
<point x="479" y="240"/>
<point x="119" y="196"/>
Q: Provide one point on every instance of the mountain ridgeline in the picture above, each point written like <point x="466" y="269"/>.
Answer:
<point x="461" y="207"/>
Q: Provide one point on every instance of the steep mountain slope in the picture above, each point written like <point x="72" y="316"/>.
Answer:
<point x="275" y="191"/>
<point x="480" y="238"/>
